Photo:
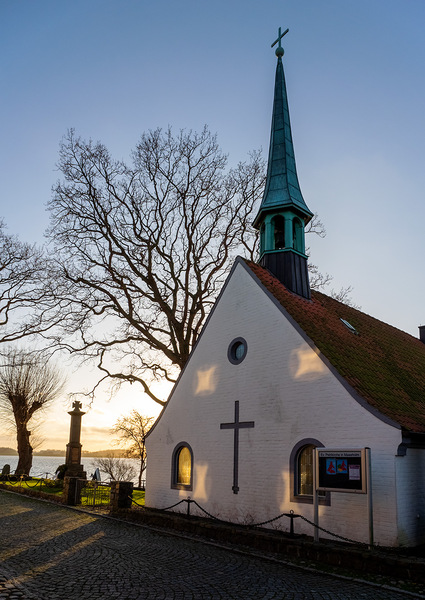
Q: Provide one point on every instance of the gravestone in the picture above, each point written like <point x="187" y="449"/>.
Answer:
<point x="5" y="471"/>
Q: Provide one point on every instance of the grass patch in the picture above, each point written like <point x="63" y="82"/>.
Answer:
<point x="139" y="497"/>
<point x="48" y="486"/>
<point x="55" y="488"/>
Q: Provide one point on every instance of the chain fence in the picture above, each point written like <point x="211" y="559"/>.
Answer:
<point x="291" y="515"/>
<point x="43" y="480"/>
<point x="92" y="493"/>
<point x="96" y="494"/>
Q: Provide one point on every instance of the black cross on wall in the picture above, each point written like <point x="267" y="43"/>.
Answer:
<point x="236" y="426"/>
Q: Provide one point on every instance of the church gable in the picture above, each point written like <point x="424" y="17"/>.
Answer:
<point x="252" y="396"/>
<point x="254" y="347"/>
<point x="251" y="365"/>
<point x="247" y="347"/>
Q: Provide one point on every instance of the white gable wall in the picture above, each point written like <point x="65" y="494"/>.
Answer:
<point x="291" y="395"/>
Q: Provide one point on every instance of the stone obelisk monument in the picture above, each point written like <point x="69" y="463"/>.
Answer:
<point x="74" y="468"/>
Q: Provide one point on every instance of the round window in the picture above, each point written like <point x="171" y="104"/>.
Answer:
<point x="237" y="351"/>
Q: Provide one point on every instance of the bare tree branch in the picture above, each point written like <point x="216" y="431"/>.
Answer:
<point x="141" y="252"/>
<point x="28" y="384"/>
<point x="118" y="469"/>
<point x="24" y="299"/>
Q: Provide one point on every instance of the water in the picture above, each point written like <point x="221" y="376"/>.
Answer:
<point x="48" y="464"/>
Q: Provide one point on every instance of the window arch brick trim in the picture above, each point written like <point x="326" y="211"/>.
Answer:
<point x="175" y="468"/>
<point x="293" y="474"/>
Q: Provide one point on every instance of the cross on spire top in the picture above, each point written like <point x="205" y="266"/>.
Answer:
<point x="279" y="49"/>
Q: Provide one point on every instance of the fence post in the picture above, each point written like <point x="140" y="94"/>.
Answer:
<point x="315" y="496"/>
<point x="121" y="494"/>
<point x="369" y="495"/>
<point x="291" y="528"/>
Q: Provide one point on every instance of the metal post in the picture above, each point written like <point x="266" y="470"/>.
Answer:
<point x="315" y="498"/>
<point x="291" y="528"/>
<point x="369" y="495"/>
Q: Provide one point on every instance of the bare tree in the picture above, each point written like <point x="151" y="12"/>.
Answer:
<point x="23" y="291"/>
<point x="132" y="430"/>
<point x="118" y="469"/>
<point x="28" y="384"/>
<point x="141" y="252"/>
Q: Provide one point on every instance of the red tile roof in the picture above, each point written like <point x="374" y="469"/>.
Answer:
<point x="384" y="365"/>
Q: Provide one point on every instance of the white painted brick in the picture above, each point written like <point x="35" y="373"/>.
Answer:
<point x="289" y="392"/>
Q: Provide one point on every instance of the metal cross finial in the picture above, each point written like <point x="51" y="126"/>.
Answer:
<point x="279" y="49"/>
<point x="279" y="37"/>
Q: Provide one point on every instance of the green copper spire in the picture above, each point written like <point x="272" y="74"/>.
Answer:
<point x="282" y="187"/>
<point x="283" y="213"/>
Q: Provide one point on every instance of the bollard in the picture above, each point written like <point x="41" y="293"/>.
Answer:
<point x="292" y="516"/>
<point x="188" y="500"/>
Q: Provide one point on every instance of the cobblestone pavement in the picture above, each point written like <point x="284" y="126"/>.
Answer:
<point x="48" y="552"/>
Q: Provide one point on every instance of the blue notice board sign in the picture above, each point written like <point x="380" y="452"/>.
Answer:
<point x="341" y="470"/>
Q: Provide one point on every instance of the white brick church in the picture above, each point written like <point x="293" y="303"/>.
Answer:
<point x="279" y="370"/>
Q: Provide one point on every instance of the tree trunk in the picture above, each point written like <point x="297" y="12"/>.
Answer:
<point x="141" y="473"/>
<point x="24" y="450"/>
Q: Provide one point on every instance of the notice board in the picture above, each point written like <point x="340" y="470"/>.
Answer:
<point x="341" y="470"/>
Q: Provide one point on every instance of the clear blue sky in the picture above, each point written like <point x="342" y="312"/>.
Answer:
<point x="355" y="74"/>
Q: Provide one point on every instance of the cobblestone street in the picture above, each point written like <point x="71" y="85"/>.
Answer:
<point x="48" y="552"/>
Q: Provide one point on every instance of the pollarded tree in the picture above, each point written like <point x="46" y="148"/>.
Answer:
<point x="141" y="251"/>
<point x="28" y="384"/>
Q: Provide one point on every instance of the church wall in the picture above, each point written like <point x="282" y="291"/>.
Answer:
<point x="291" y="395"/>
<point x="410" y="470"/>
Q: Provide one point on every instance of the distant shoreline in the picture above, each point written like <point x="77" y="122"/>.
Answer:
<point x="85" y="453"/>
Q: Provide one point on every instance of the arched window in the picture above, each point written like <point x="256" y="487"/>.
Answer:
<point x="279" y="232"/>
<point x="181" y="468"/>
<point x="297" y="232"/>
<point x="305" y="471"/>
<point x="301" y="471"/>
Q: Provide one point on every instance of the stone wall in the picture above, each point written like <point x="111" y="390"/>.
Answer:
<point x="121" y="493"/>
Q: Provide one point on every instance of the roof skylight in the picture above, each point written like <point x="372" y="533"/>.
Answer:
<point x="349" y="326"/>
